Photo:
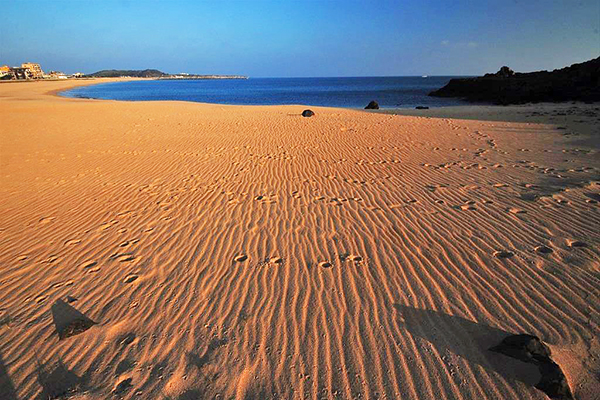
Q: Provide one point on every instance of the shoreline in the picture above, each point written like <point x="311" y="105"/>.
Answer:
<point x="522" y="113"/>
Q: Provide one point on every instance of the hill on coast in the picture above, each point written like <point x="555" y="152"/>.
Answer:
<point x="136" y="73"/>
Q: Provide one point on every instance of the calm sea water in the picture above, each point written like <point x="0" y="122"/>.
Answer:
<point x="389" y="92"/>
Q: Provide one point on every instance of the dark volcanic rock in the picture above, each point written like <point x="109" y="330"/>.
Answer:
<point x="422" y="108"/>
<point x="523" y="347"/>
<point x="307" y="113"/>
<point x="373" y="105"/>
<point x="579" y="82"/>
<point x="532" y="350"/>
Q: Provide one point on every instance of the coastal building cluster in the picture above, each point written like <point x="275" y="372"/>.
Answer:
<point x="31" y="71"/>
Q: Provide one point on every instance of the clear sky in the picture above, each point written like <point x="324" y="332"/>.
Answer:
<point x="301" y="38"/>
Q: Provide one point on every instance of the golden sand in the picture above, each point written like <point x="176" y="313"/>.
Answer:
<point x="189" y="251"/>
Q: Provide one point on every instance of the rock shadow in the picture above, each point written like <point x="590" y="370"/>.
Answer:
<point x="6" y="387"/>
<point x="68" y="321"/>
<point x="469" y="340"/>
<point x="57" y="380"/>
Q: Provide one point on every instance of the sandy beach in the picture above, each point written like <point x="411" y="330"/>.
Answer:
<point x="174" y="250"/>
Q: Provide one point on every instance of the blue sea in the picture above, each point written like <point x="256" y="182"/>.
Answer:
<point x="389" y="92"/>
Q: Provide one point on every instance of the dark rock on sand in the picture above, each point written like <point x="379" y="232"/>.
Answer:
<point x="532" y="350"/>
<point x="421" y="108"/>
<point x="307" y="113"/>
<point x="579" y="82"/>
<point x="373" y="105"/>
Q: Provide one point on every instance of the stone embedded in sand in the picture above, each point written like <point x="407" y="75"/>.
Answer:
<point x="531" y="349"/>
<point x="240" y="258"/>
<point x="373" y="105"/>
<point x="307" y="113"/>
<point x="325" y="264"/>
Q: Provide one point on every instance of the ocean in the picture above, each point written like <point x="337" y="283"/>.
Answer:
<point x="389" y="92"/>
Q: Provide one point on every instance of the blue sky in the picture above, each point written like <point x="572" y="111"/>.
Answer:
<point x="301" y="38"/>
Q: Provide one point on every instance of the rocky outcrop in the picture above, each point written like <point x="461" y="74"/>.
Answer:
<point x="373" y="105"/>
<point x="531" y="349"/>
<point x="579" y="82"/>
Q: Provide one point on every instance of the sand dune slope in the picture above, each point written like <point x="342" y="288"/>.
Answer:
<point x="204" y="251"/>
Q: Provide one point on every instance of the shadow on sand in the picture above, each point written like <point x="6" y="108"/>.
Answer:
<point x="467" y="339"/>
<point x="57" y="380"/>
<point x="68" y="321"/>
<point x="7" y="390"/>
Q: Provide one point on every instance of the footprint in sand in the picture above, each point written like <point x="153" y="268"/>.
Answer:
<point x="126" y="258"/>
<point x="72" y="242"/>
<point x="89" y="264"/>
<point x="123" y="386"/>
<point x="71" y="299"/>
<point x="354" y="258"/>
<point x="21" y="258"/>
<point x="61" y="284"/>
<point x="543" y="249"/>
<point x="500" y="185"/>
<point x="503" y="254"/>
<point x="276" y="260"/>
<point x="128" y="242"/>
<point x="577" y="243"/>
<point x="50" y="259"/>
<point x="513" y="210"/>
<point x="40" y="298"/>
<point x="440" y="201"/>
<point x="488" y="202"/>
<point x="46" y="220"/>
<point x="240" y="258"/>
<point x="469" y="205"/>
<point x="105" y="226"/>
<point x="130" y="278"/>
<point x="325" y="264"/>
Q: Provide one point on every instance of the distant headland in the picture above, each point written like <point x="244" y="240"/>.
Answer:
<point x="154" y="73"/>
<point x="33" y="71"/>
<point x="579" y="82"/>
